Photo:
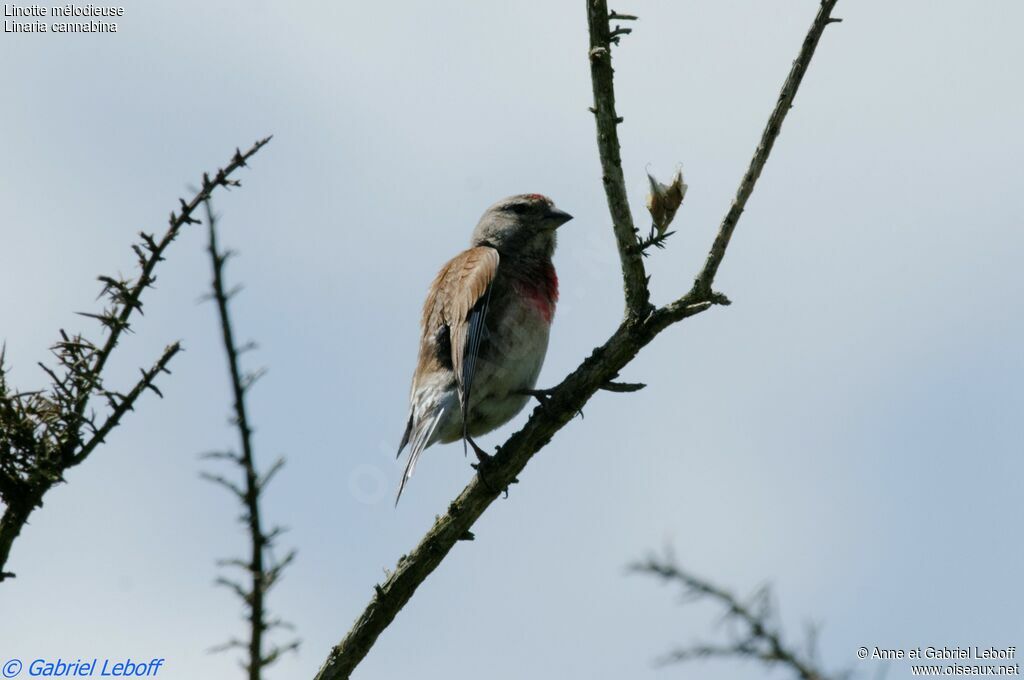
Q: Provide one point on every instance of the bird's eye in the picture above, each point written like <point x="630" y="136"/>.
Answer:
<point x="517" y="208"/>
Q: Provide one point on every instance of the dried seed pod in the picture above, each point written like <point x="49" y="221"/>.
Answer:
<point x="664" y="200"/>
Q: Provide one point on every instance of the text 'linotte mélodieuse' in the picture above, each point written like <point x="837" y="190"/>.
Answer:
<point x="89" y="18"/>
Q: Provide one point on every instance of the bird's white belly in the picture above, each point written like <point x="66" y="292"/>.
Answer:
<point x="518" y="344"/>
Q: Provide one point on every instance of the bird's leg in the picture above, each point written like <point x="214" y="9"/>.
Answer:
<point x="485" y="460"/>
<point x="481" y="455"/>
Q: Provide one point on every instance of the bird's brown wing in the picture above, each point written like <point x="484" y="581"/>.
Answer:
<point x="458" y="301"/>
<point x="452" y="332"/>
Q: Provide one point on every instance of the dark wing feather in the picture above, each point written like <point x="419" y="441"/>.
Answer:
<point x="474" y="337"/>
<point x="463" y="290"/>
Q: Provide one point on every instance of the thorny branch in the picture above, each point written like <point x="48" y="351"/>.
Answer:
<point x="634" y="277"/>
<point x="754" y="631"/>
<point x="262" y="569"/>
<point x="641" y="324"/>
<point x="44" y="433"/>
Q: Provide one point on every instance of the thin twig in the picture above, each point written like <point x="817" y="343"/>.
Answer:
<point x="128" y="402"/>
<point x="702" y="285"/>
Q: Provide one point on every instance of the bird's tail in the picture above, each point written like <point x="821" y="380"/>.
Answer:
<point x="417" y="434"/>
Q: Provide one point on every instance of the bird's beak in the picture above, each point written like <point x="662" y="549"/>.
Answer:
<point x="558" y="217"/>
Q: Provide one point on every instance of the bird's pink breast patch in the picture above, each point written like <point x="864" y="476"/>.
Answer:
<point x="543" y="292"/>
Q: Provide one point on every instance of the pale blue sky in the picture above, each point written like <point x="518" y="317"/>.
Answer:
<point x="849" y="430"/>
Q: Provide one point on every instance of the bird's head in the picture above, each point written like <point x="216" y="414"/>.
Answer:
<point x="522" y="225"/>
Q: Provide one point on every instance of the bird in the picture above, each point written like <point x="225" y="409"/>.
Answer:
<point x="484" y="329"/>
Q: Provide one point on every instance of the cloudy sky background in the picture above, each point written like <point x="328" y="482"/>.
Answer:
<point x="849" y="430"/>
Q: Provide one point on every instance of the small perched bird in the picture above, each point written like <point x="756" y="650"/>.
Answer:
<point x="485" y="325"/>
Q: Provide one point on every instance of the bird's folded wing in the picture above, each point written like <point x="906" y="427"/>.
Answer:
<point x="461" y="295"/>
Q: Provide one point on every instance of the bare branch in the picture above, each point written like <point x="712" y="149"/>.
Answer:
<point x="42" y="434"/>
<point x="127" y="403"/>
<point x="130" y="296"/>
<point x="758" y="636"/>
<point x="702" y="285"/>
<point x="264" y="573"/>
<point x="634" y="278"/>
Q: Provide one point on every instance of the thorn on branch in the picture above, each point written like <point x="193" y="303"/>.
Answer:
<point x="613" y="15"/>
<point x="233" y="643"/>
<point x="269" y="539"/>
<point x="224" y="482"/>
<point x="219" y="455"/>
<point x="265" y="478"/>
<point x="247" y="347"/>
<point x="108" y="320"/>
<point x="611" y="386"/>
<point x="251" y="378"/>
<point x="234" y="562"/>
<point x="235" y="587"/>
<point x="616" y="34"/>
<point x="276" y="652"/>
<point x="719" y="299"/>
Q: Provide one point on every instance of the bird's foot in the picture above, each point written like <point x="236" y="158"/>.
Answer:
<point x="544" y="397"/>
<point x="485" y="462"/>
